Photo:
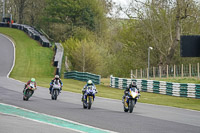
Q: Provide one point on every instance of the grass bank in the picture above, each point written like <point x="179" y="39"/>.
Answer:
<point x="33" y="60"/>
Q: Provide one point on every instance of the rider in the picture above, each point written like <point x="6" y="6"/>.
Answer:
<point x="89" y="83"/>
<point x="28" y="83"/>
<point x="55" y="79"/>
<point x="131" y="85"/>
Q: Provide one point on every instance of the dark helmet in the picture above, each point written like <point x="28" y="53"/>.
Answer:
<point x="133" y="84"/>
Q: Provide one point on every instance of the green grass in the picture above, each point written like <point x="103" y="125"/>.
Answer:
<point x="33" y="60"/>
<point x="181" y="80"/>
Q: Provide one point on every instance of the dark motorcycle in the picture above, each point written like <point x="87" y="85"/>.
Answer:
<point x="28" y="92"/>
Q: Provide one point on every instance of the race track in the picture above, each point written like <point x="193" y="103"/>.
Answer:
<point x="105" y="113"/>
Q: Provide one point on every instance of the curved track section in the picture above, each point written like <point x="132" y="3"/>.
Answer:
<point x="6" y="55"/>
<point x="105" y="113"/>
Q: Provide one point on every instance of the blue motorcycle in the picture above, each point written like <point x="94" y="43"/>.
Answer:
<point x="88" y="97"/>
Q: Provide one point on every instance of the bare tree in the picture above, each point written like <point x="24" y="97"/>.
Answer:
<point x="161" y="23"/>
<point x="20" y="7"/>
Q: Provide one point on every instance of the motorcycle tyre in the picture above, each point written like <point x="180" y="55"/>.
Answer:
<point x="55" y="94"/>
<point x="89" y="102"/>
<point x="28" y="94"/>
<point x="84" y="105"/>
<point x="131" y="105"/>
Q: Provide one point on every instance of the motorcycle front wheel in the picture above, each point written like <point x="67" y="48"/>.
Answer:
<point x="89" y="102"/>
<point x="27" y="95"/>
<point x="131" y="105"/>
<point x="54" y="94"/>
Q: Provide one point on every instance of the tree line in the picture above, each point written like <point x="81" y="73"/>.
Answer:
<point x="105" y="45"/>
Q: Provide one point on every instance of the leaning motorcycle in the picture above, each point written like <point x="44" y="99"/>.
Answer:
<point x="28" y="92"/>
<point x="55" y="91"/>
<point x="88" y="97"/>
<point x="130" y="100"/>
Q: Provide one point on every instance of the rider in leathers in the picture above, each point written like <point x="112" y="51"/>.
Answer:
<point x="56" y="79"/>
<point x="28" y="83"/>
<point x="126" y="91"/>
<point x="89" y="83"/>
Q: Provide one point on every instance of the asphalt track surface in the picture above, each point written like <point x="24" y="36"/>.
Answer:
<point x="105" y="113"/>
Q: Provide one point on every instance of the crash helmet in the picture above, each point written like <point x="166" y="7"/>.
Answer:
<point x="133" y="84"/>
<point x="32" y="79"/>
<point x="56" y="76"/>
<point x="89" y="82"/>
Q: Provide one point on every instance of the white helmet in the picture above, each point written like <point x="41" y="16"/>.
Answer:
<point x="56" y="76"/>
<point x="89" y="82"/>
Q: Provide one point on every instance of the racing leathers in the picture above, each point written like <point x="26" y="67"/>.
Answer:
<point x="126" y="91"/>
<point x="85" y="87"/>
<point x="55" y="81"/>
<point x="28" y="83"/>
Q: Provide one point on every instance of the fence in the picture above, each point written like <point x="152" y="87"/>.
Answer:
<point x="58" y="57"/>
<point x="160" y="87"/>
<point x="32" y="32"/>
<point x="83" y="76"/>
<point x="188" y="70"/>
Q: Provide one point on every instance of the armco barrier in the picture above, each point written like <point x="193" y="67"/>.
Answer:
<point x="58" y="57"/>
<point x="83" y="76"/>
<point x="32" y="32"/>
<point x="160" y="87"/>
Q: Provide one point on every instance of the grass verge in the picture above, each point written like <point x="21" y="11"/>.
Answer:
<point x="33" y="60"/>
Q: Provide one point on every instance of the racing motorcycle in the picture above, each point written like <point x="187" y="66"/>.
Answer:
<point x="28" y="92"/>
<point x="88" y="97"/>
<point x="55" y="91"/>
<point x="130" y="100"/>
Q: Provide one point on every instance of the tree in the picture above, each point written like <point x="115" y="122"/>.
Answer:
<point x="160" y="23"/>
<point x="83" y="55"/>
<point x="20" y="7"/>
<point x="87" y="14"/>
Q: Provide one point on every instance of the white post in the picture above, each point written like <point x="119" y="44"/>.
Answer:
<point x="3" y="9"/>
<point x="136" y="73"/>
<point x="131" y="74"/>
<point x="182" y="70"/>
<point x="174" y="71"/>
<point x="167" y="71"/>
<point x="190" y="70"/>
<point x="160" y="71"/>
<point x="198" y="69"/>
<point x="150" y="48"/>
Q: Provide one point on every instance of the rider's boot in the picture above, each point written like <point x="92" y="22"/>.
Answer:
<point x="82" y="98"/>
<point x="123" y="99"/>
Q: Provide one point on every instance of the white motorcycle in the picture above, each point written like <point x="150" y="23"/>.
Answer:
<point x="55" y="91"/>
